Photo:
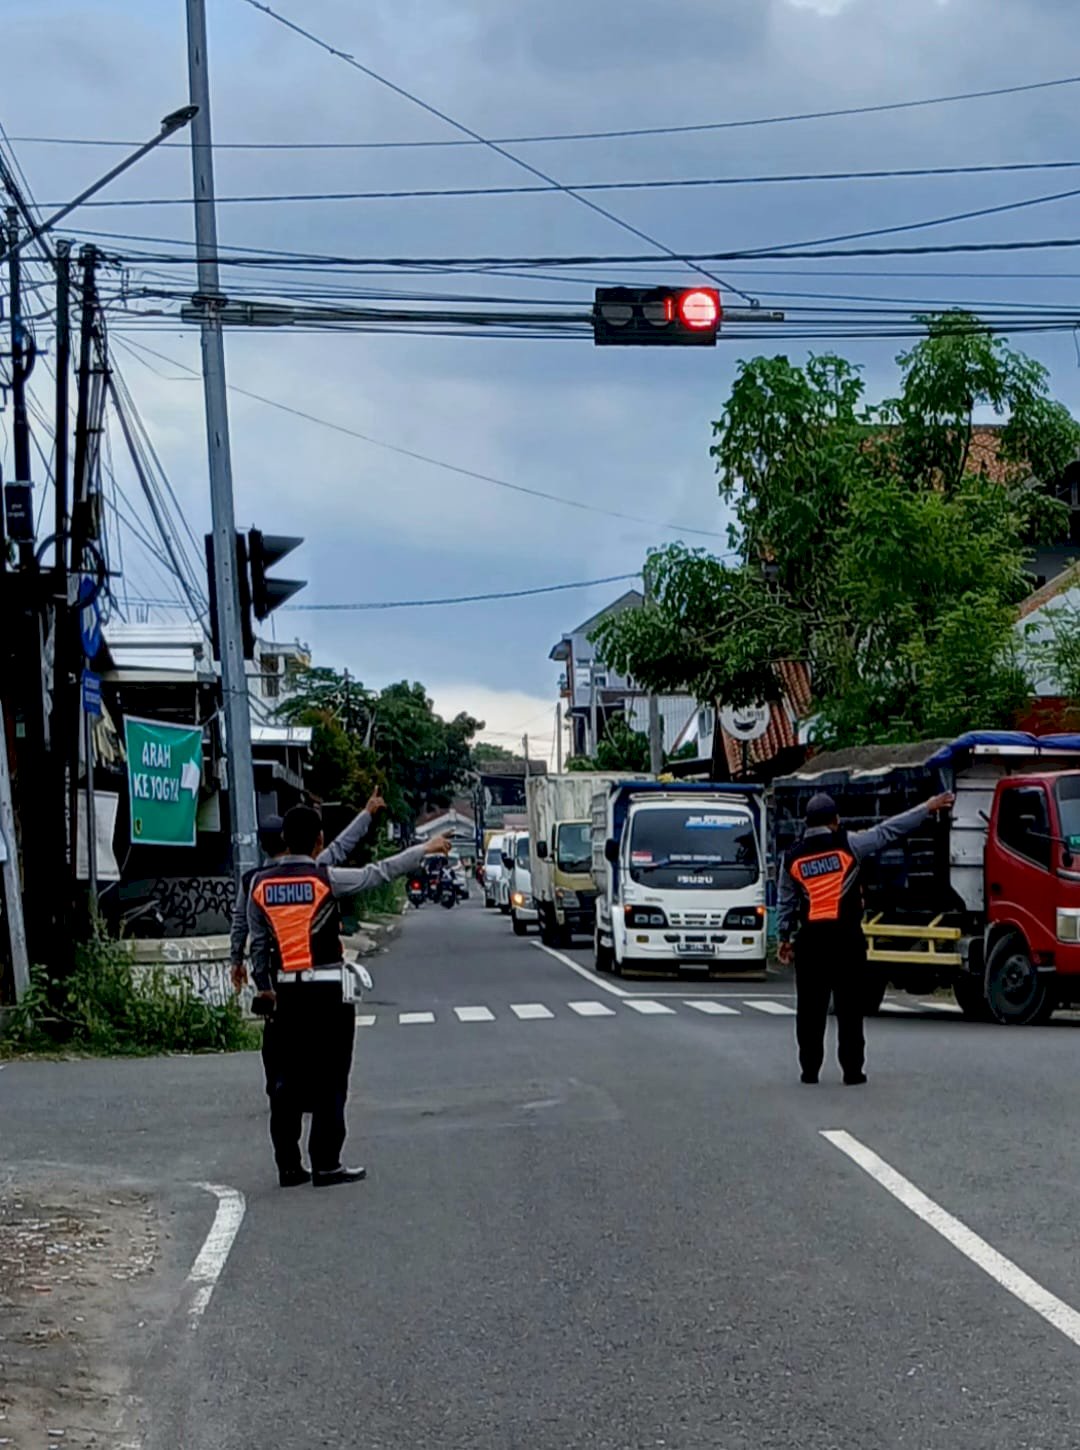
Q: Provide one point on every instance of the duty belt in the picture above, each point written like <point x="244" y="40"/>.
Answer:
<point x="313" y="974"/>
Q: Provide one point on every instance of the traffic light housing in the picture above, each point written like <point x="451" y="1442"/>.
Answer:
<point x="260" y="593"/>
<point x="656" y="316"/>
<point x="264" y="551"/>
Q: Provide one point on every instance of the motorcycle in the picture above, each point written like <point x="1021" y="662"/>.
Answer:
<point x="416" y="892"/>
<point x="448" y="892"/>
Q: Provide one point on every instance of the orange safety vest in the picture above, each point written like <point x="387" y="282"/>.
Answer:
<point x="825" y="871"/>
<point x="298" y="902"/>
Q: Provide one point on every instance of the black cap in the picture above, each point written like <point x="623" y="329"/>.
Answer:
<point x="821" y="809"/>
<point x="270" y="835"/>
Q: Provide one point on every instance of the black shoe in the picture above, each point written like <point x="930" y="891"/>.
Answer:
<point x="855" y="1079"/>
<point x="809" y="1077"/>
<point x="339" y="1175"/>
<point x="293" y="1177"/>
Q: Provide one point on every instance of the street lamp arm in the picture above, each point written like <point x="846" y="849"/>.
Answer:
<point x="172" y="123"/>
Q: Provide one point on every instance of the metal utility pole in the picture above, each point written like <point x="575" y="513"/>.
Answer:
<point x="241" y="778"/>
<point x="22" y="362"/>
<point x="593" y="731"/>
<point x="13" y="903"/>
<point x="63" y="369"/>
<point x="525" y="747"/>
<point x="558" y="738"/>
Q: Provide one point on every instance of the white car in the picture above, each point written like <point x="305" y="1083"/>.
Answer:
<point x="523" y="912"/>
<point x="493" y="870"/>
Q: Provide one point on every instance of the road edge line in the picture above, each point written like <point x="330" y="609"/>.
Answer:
<point x="212" y="1257"/>
<point x="984" y="1256"/>
<point x="582" y="971"/>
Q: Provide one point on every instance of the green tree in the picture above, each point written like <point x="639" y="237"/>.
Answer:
<point x="483" y="753"/>
<point x="392" y="739"/>
<point x="866" y="542"/>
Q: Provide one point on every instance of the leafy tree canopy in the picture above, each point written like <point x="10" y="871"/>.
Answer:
<point x="870" y="541"/>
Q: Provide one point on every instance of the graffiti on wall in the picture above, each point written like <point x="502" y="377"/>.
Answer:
<point x="193" y="905"/>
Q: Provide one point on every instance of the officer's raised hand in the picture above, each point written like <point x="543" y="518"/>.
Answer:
<point x="943" y="802"/>
<point x="375" y="804"/>
<point x="438" y="846"/>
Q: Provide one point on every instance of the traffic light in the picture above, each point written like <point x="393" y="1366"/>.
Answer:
<point x="244" y="587"/>
<point x="656" y="316"/>
<point x="264" y="551"/>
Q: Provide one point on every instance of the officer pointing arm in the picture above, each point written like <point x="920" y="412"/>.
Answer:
<point x="338" y="851"/>
<point x="862" y="844"/>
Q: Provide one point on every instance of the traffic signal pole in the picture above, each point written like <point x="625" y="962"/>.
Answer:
<point x="241" y="775"/>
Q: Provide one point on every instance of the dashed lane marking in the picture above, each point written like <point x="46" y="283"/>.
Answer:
<point x="531" y="1011"/>
<point x="474" y="1014"/>
<point x="367" y="1020"/>
<point x="712" y="1008"/>
<point x="590" y="1009"/>
<point x="774" y="1009"/>
<point x="415" y="1019"/>
<point x="648" y="1008"/>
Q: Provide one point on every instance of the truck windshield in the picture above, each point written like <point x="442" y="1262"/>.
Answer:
<point x="693" y="848"/>
<point x="494" y="855"/>
<point x="523" y="851"/>
<point x="1068" y="804"/>
<point x="573" y="850"/>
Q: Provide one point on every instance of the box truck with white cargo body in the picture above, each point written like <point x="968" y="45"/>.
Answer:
<point x="560" y="829"/>
<point x="680" y="873"/>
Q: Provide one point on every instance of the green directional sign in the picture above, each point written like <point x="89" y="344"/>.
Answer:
<point x="164" y="771"/>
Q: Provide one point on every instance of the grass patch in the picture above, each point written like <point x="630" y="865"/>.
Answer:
<point x="108" y="1007"/>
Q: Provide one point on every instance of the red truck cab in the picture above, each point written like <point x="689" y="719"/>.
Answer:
<point x="1032" y="880"/>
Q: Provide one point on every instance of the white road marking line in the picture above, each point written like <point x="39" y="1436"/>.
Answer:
<point x="530" y="1011"/>
<point x="206" y="1270"/>
<point x="367" y="1020"/>
<point x="582" y="971"/>
<point x="474" y="1014"/>
<point x="897" y="1008"/>
<point x="649" y="1009"/>
<point x="590" y="1009"/>
<point x="713" y="1008"/>
<point x="411" y="1019"/>
<point x="1002" y="1270"/>
<point x="943" y="1006"/>
<point x="775" y="1009"/>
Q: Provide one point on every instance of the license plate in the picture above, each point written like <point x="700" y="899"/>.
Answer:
<point x="697" y="949"/>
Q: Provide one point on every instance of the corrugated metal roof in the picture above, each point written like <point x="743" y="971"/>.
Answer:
<point x="281" y="734"/>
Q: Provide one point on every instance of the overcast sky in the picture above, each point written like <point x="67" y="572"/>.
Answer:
<point x="625" y="430"/>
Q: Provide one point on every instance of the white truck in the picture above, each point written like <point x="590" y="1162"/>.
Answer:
<point x="560" y="830"/>
<point x="680" y="873"/>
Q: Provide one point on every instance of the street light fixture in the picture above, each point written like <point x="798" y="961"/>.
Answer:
<point x="173" y="122"/>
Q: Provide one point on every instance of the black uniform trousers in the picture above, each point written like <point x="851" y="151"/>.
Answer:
<point x="830" y="961"/>
<point x="313" y="1036"/>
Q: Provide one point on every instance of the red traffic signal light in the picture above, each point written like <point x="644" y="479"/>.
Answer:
<point x="656" y="316"/>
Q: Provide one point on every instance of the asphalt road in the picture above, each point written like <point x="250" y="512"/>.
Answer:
<point x="613" y="1225"/>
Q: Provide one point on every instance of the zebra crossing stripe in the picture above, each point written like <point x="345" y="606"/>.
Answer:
<point x="648" y="1008"/>
<point x="775" y="1009"/>
<point x="590" y="1009"/>
<point x="474" y="1014"/>
<point x="530" y="1011"/>
<point x="714" y="1009"/>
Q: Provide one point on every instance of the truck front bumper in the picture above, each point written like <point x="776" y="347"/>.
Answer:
<point x="731" y="951"/>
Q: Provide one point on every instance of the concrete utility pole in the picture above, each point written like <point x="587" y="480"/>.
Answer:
<point x="241" y="779"/>
<point x="558" y="738"/>
<point x="656" y="744"/>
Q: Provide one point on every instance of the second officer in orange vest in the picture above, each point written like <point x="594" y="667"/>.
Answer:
<point x="295" y="926"/>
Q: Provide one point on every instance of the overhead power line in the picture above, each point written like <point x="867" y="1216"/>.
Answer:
<point x="616" y="134"/>
<point x="435" y="462"/>
<point x="654" y="184"/>
<point x="462" y="598"/>
<point x="475" y="136"/>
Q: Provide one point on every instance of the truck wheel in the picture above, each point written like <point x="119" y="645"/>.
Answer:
<point x="603" y="957"/>
<point x="970" y="994"/>
<point x="520" y="927"/>
<point x="1016" y="993"/>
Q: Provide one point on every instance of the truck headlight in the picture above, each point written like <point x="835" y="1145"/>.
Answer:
<point x="637" y="916"/>
<point x="1068" y="923"/>
<point x="518" y="898"/>
<point x="745" y="918"/>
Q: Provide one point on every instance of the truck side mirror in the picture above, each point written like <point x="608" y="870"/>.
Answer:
<point x="611" y="850"/>
<point x="542" y="850"/>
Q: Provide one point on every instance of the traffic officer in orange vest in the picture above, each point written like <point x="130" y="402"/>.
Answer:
<point x="274" y="848"/>
<point x="820" y="911"/>
<point x="295" y="927"/>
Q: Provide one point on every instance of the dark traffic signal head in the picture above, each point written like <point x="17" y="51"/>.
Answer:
<point x="264" y="551"/>
<point x="656" y="316"/>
